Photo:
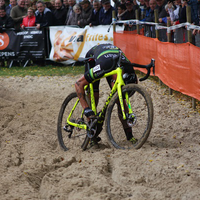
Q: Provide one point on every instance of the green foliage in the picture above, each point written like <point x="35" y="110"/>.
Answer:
<point x="47" y="70"/>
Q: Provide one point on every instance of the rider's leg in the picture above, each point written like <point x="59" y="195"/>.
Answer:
<point x="79" y="86"/>
<point x="127" y="129"/>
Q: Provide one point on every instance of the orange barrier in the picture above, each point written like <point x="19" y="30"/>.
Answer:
<point x="177" y="65"/>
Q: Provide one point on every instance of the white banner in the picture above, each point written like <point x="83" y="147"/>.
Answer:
<point x="69" y="43"/>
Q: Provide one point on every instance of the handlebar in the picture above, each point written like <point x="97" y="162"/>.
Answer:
<point x="148" y="68"/>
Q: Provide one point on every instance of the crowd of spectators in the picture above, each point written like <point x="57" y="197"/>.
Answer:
<point x="26" y="13"/>
<point x="19" y="14"/>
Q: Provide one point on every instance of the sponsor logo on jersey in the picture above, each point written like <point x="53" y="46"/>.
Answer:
<point x="96" y="68"/>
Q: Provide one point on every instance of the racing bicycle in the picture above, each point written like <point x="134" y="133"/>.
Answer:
<point x="127" y="102"/>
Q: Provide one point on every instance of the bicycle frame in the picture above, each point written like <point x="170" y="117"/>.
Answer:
<point x="117" y="87"/>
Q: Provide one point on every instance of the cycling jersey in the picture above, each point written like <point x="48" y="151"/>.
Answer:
<point x="103" y="55"/>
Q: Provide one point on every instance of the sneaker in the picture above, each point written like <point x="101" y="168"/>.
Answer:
<point x="94" y="141"/>
<point x="133" y="140"/>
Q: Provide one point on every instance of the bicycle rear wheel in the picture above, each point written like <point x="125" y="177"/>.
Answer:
<point x="142" y="108"/>
<point x="77" y="137"/>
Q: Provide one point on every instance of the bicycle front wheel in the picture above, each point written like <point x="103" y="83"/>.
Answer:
<point x="140" y="127"/>
<point x="70" y="137"/>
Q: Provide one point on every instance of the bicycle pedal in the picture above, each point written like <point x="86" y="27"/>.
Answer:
<point x="68" y="128"/>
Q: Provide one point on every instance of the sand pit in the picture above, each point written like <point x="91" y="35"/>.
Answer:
<point x="34" y="167"/>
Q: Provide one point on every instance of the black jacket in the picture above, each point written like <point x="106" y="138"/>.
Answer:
<point x="45" y="19"/>
<point x="6" y="22"/>
<point x="60" y="16"/>
<point x="94" y="20"/>
<point x="130" y="14"/>
<point x="161" y="11"/>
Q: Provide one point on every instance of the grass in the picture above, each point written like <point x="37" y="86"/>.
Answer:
<point x="48" y="70"/>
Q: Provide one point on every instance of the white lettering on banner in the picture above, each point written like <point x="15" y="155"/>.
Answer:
<point x="7" y="53"/>
<point x="1" y="40"/>
<point x="22" y="33"/>
<point x="96" y="68"/>
<point x="28" y="36"/>
<point x="36" y="32"/>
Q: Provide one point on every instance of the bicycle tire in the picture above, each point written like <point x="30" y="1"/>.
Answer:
<point x="142" y="108"/>
<point x="78" y="137"/>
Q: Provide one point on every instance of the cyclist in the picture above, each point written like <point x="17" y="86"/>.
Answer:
<point x="103" y="59"/>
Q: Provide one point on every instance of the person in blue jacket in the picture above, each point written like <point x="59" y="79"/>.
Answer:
<point x="105" y="14"/>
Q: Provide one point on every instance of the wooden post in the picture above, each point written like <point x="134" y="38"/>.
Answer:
<point x="194" y="103"/>
<point x="156" y="21"/>
<point x="157" y="33"/>
<point x="169" y="40"/>
<point x="137" y="17"/>
<point x="188" y="13"/>
<point x="114" y="26"/>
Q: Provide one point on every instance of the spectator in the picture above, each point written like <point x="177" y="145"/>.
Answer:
<point x="70" y="9"/>
<point x="147" y="7"/>
<point x="121" y="11"/>
<point x="194" y="11"/>
<point x="33" y="4"/>
<point x="86" y="13"/>
<point x="147" y="4"/>
<point x="130" y="14"/>
<point x="142" y="8"/>
<point x="182" y="16"/>
<point x="94" y="20"/>
<point x="12" y="4"/>
<point x="161" y="8"/>
<point x="59" y="13"/>
<point x="131" y="7"/>
<point x="178" y="6"/>
<point x="123" y="1"/>
<point x="49" y="5"/>
<point x="170" y="13"/>
<point x="29" y="21"/>
<point x="116" y="3"/>
<point x="27" y="3"/>
<point x="5" y="20"/>
<point x="65" y="3"/>
<point x="18" y="13"/>
<point x="53" y="4"/>
<point x="2" y="3"/>
<point x="105" y="14"/>
<point x="76" y="16"/>
<point x="44" y="16"/>
<point x="150" y="15"/>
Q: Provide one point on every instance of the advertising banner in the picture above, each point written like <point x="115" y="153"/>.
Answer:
<point x="23" y="45"/>
<point x="69" y="43"/>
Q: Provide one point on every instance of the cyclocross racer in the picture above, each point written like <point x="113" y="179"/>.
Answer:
<point x="102" y="61"/>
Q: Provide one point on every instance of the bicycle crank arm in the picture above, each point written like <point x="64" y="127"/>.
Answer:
<point x="91" y="130"/>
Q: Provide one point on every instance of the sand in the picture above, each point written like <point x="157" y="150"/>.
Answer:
<point x="33" y="166"/>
